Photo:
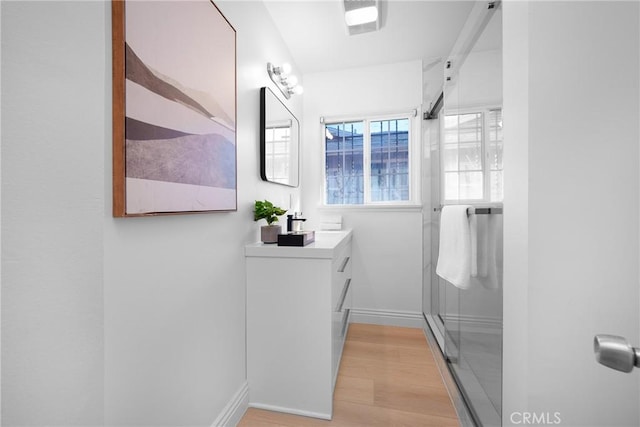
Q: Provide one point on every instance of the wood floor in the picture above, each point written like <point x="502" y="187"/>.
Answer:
<point x="387" y="378"/>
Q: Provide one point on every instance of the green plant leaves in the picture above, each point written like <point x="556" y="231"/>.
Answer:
<point x="266" y="210"/>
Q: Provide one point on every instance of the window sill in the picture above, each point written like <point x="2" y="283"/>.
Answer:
<point x="376" y="208"/>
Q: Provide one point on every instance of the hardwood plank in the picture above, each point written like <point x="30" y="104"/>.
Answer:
<point x="261" y="418"/>
<point x="417" y="356"/>
<point x="354" y="389"/>
<point x="393" y="335"/>
<point x="354" y="414"/>
<point x="347" y="414"/>
<point x="418" y="399"/>
<point x="390" y="370"/>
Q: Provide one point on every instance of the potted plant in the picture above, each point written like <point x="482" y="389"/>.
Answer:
<point x="267" y="211"/>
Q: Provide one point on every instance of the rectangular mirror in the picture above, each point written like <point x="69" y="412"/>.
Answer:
<point x="279" y="141"/>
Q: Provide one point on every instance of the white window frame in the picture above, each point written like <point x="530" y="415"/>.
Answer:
<point x="486" y="171"/>
<point x="413" y="165"/>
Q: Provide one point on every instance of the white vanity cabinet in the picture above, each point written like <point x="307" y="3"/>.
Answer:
<point x="298" y="302"/>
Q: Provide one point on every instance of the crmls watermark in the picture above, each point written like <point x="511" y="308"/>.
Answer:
<point x="535" y="418"/>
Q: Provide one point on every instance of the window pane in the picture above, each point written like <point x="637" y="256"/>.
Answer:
<point x="451" y="122"/>
<point x="470" y="185"/>
<point x="450" y="129"/>
<point x="470" y="127"/>
<point x="344" y="163"/>
<point x="495" y="156"/>
<point x="389" y="160"/>
<point x="451" y="186"/>
<point x="470" y="156"/>
<point x="495" y="125"/>
<point x="494" y="151"/>
<point x="462" y="158"/>
<point x="497" y="189"/>
<point x="450" y="157"/>
<point x="495" y="140"/>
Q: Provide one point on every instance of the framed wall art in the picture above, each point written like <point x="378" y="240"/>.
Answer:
<point x="174" y="108"/>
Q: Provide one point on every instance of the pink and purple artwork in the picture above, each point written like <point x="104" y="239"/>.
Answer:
<point x="179" y="109"/>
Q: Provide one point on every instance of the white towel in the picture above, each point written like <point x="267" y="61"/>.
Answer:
<point x="454" y="258"/>
<point x="331" y="222"/>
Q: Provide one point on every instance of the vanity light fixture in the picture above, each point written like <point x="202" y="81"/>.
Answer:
<point x="361" y="16"/>
<point x="288" y="84"/>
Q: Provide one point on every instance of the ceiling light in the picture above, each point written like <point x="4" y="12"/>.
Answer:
<point x="361" y="16"/>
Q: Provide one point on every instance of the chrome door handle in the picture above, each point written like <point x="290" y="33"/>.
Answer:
<point x="616" y="353"/>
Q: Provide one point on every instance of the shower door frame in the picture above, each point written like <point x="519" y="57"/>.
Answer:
<point x="435" y="325"/>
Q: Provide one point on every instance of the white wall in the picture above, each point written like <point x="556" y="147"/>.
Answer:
<point x="0" y="223"/>
<point x="174" y="287"/>
<point x="479" y="82"/>
<point x="387" y="245"/>
<point x="53" y="170"/>
<point x="136" y="321"/>
<point x="571" y="207"/>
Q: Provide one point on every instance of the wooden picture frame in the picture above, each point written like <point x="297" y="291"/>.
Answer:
<point x="174" y="109"/>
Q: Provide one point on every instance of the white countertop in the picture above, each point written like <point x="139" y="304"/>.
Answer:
<point x="325" y="245"/>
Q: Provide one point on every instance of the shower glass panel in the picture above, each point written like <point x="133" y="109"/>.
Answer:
<point x="470" y="173"/>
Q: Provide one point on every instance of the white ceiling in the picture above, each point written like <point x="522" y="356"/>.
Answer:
<point x="315" y="32"/>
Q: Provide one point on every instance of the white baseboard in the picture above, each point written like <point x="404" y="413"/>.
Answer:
<point x="291" y="411"/>
<point x="408" y="319"/>
<point x="473" y="323"/>
<point x="235" y="409"/>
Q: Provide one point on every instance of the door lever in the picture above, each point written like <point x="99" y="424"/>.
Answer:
<point x="615" y="352"/>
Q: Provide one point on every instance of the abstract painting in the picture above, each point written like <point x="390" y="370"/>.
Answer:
<point x="174" y="108"/>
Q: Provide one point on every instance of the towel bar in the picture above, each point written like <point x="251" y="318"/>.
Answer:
<point x="478" y="211"/>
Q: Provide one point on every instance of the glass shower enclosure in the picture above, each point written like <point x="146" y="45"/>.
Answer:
<point x="463" y="160"/>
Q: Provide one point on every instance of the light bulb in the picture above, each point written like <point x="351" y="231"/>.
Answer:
<point x="292" y="81"/>
<point x="285" y="68"/>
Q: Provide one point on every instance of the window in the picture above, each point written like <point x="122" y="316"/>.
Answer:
<point x="277" y="142"/>
<point x="368" y="161"/>
<point x="472" y="156"/>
